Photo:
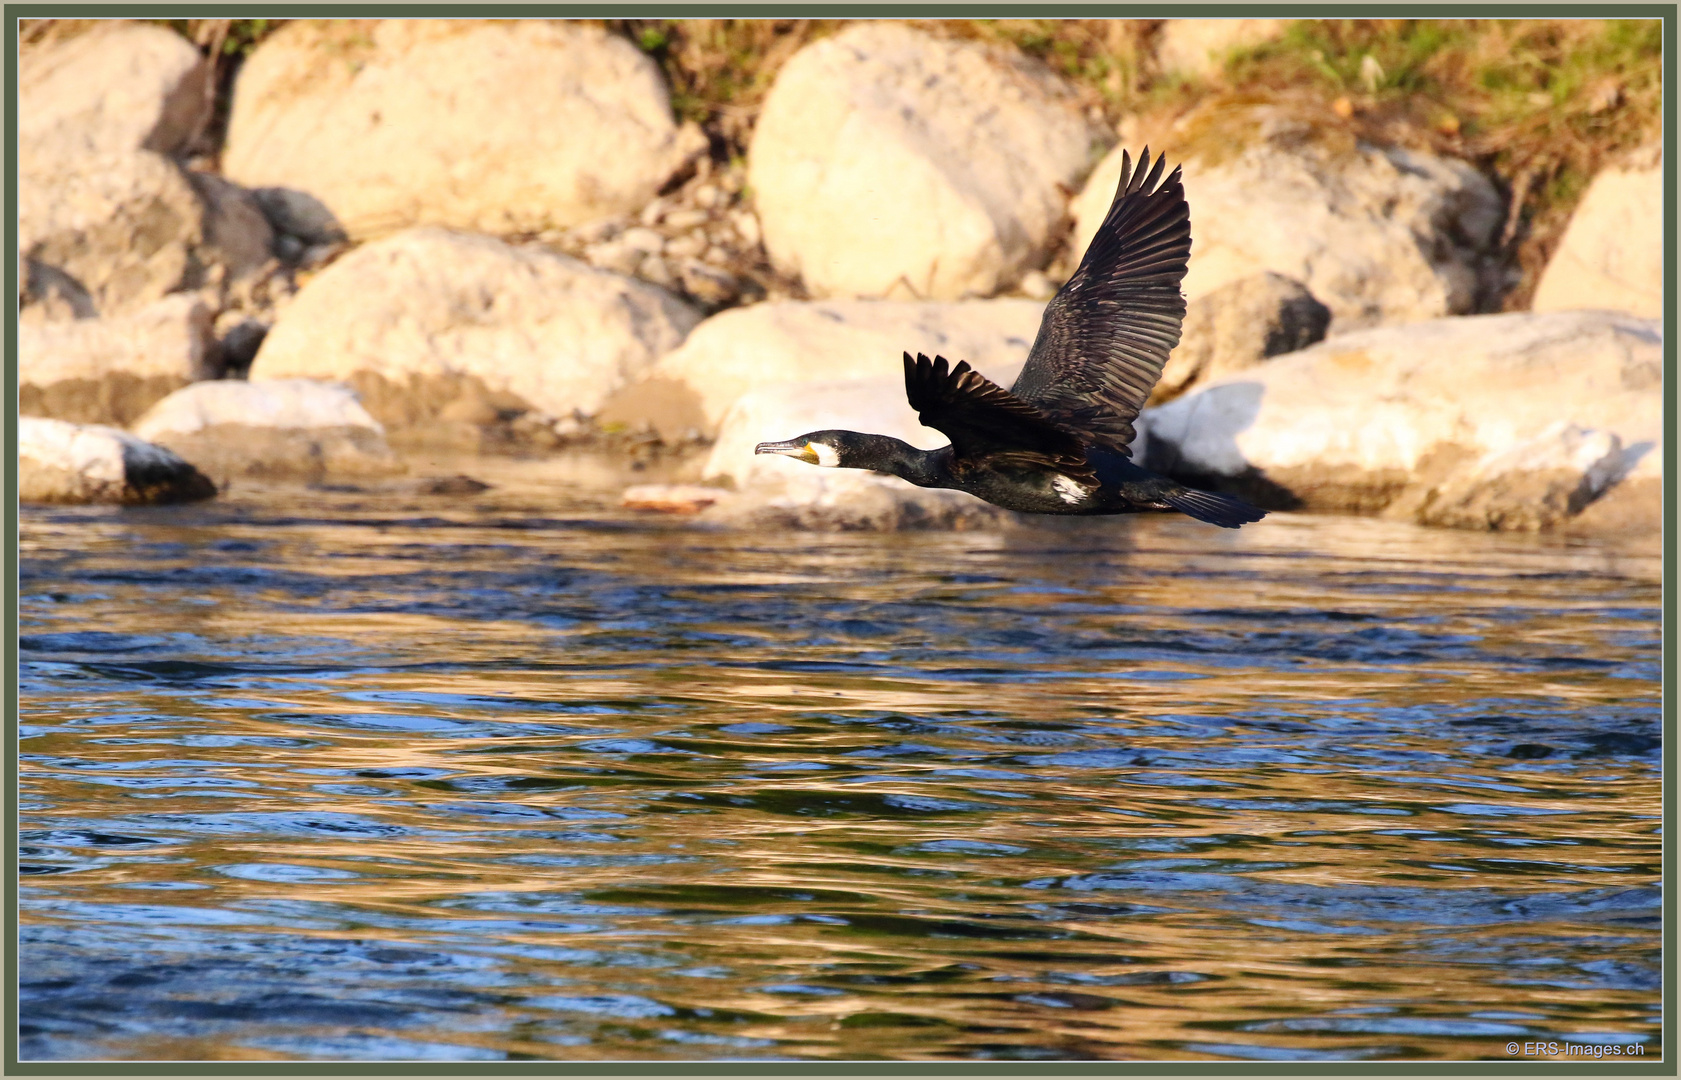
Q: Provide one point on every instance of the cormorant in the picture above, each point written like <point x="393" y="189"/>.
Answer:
<point x="1058" y="441"/>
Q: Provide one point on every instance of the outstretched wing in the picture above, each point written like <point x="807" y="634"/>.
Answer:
<point x="984" y="420"/>
<point x="1106" y="334"/>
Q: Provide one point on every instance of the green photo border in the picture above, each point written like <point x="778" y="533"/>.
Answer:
<point x="1667" y="1065"/>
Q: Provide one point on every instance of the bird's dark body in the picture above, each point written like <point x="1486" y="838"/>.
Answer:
<point x="1123" y="488"/>
<point x="1059" y="440"/>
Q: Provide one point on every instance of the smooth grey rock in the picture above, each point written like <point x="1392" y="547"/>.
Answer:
<point x="110" y="370"/>
<point x="118" y="87"/>
<point x="1611" y="255"/>
<point x="295" y="428"/>
<point x="889" y="162"/>
<point x="1240" y="325"/>
<point x="495" y="126"/>
<point x="1380" y="236"/>
<point x="131" y="227"/>
<point x="1402" y="419"/>
<point x="430" y="320"/>
<point x="800" y="342"/>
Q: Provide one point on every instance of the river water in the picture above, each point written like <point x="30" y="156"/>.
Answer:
<point x="371" y="774"/>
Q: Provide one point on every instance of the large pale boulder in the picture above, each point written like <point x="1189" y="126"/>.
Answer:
<point x="775" y="491"/>
<point x="278" y="428"/>
<point x="131" y="226"/>
<point x="1611" y="255"/>
<point x="61" y="462"/>
<point x="110" y="370"/>
<point x="1435" y="421"/>
<point x="434" y="328"/>
<point x="800" y="342"/>
<point x="887" y="162"/>
<point x="1198" y="47"/>
<point x="1379" y="235"/>
<point x="120" y="86"/>
<point x="1238" y="326"/>
<point x="499" y="127"/>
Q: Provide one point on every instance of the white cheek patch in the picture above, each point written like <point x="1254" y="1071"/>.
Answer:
<point x="827" y="456"/>
<point x="1070" y="491"/>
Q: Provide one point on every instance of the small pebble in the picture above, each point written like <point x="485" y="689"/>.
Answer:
<point x="708" y="196"/>
<point x="614" y="255"/>
<point x="647" y="241"/>
<point x="708" y="284"/>
<point x="685" y="247"/>
<point x="655" y="271"/>
<point x="747" y="225"/>
<point x="686" y="219"/>
<point x="597" y="231"/>
<point x="652" y="213"/>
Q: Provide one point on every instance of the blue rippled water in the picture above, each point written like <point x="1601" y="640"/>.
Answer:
<point x="365" y="775"/>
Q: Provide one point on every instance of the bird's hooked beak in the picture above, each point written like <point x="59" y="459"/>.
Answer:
<point x="794" y="448"/>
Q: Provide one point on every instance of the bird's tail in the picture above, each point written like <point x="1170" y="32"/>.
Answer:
<point x="1226" y="511"/>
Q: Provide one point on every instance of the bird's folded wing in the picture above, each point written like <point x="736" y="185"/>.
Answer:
<point x="984" y="420"/>
<point x="1108" y="331"/>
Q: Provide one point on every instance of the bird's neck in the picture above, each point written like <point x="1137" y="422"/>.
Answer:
<point x="924" y="468"/>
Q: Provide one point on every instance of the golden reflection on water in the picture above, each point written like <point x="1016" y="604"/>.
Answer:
<point x="563" y="783"/>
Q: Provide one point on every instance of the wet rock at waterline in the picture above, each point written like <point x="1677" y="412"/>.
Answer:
<point x="888" y="162"/>
<point x="500" y="127"/>
<point x="801" y="342"/>
<point x="1240" y="325"/>
<point x="1611" y="255"/>
<point x="61" y="462"/>
<point x="1434" y="422"/>
<point x="674" y="498"/>
<point x="111" y="370"/>
<point x="1535" y="485"/>
<point x="294" y="428"/>
<point x="119" y="86"/>
<point x="779" y="492"/>
<point x="451" y="337"/>
<point x="1379" y="236"/>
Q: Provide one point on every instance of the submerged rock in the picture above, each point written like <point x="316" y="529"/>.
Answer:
<point x="799" y="342"/>
<point x="61" y="462"/>
<point x="296" y="428"/>
<point x="111" y="370"/>
<point x="1611" y="255"/>
<point x="448" y="336"/>
<point x="1379" y="235"/>
<point x="1492" y="421"/>
<point x="495" y="126"/>
<point x="888" y="162"/>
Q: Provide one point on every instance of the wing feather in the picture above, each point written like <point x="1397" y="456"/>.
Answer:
<point x="985" y="421"/>
<point x="1106" y="334"/>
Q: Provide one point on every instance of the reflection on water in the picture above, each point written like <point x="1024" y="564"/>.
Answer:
<point x="329" y="774"/>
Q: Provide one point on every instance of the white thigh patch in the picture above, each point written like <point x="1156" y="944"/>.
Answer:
<point x="1070" y="490"/>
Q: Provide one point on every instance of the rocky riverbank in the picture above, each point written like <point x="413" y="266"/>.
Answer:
<point x="499" y="237"/>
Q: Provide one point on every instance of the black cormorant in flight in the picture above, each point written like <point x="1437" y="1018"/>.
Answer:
<point x="1058" y="441"/>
